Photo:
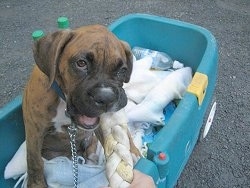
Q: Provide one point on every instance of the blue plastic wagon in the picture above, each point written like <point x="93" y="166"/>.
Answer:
<point x="167" y="155"/>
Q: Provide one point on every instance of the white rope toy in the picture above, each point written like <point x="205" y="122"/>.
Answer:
<point x="119" y="161"/>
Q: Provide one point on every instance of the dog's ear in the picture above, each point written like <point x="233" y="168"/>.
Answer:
<point x="129" y="62"/>
<point x="47" y="52"/>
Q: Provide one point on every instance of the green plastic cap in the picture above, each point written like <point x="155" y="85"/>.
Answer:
<point x="63" y="22"/>
<point x="37" y="34"/>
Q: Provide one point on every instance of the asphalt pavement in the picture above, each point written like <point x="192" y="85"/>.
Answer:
<point x="223" y="158"/>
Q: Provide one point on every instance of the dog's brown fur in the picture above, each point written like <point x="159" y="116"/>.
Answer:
<point x="53" y="55"/>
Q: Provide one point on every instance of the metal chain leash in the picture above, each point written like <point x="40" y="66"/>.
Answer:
<point x="72" y="130"/>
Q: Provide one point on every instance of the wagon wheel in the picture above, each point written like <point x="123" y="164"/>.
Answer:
<point x="208" y="119"/>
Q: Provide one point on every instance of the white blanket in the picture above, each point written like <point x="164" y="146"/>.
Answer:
<point x="58" y="171"/>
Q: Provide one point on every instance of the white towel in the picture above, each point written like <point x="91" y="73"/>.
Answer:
<point x="173" y="86"/>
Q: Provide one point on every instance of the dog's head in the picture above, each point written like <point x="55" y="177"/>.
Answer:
<point x="90" y="64"/>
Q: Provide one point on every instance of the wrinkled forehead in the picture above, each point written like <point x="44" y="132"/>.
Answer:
<point x="104" y="46"/>
<point x="96" y="39"/>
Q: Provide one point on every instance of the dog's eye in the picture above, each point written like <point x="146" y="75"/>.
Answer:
<point x="121" y="74"/>
<point x="81" y="64"/>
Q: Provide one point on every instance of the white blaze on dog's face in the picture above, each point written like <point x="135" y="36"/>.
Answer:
<point x="90" y="64"/>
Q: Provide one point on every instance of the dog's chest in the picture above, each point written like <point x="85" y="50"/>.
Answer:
<point x="60" y="119"/>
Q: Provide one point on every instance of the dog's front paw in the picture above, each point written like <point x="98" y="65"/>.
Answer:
<point x="36" y="184"/>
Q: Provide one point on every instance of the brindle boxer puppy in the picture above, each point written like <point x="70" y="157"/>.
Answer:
<point x="90" y="65"/>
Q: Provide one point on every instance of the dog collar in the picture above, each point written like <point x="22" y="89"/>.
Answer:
<point x="58" y="90"/>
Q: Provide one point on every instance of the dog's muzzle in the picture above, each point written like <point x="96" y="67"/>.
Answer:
<point x="103" y="97"/>
<point x="86" y="106"/>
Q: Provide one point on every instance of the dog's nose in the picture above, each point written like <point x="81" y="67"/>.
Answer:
<point x="103" y="96"/>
